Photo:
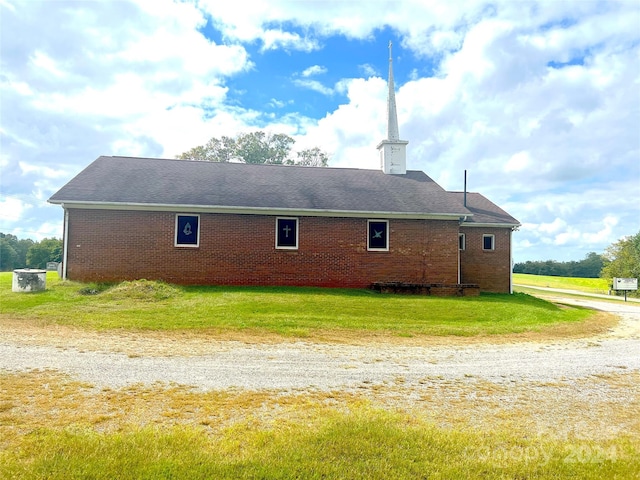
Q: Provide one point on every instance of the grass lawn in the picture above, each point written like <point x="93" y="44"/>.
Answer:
<point x="54" y="427"/>
<point x="588" y="285"/>
<point x="297" y="312"/>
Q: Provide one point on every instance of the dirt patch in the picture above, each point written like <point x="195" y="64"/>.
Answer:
<point x="595" y="408"/>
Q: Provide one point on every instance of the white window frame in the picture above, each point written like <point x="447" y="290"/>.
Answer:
<point x="376" y="249"/>
<point x="283" y="247"/>
<point x="175" y="236"/>
<point x="462" y="242"/>
<point x="493" y="242"/>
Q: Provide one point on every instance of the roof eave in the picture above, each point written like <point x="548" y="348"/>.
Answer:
<point x="489" y="224"/>
<point x="255" y="210"/>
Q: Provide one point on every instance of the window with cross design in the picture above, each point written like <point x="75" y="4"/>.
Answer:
<point x="287" y="233"/>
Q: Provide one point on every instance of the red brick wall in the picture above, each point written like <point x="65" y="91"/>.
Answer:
<point x="491" y="269"/>
<point x="109" y="245"/>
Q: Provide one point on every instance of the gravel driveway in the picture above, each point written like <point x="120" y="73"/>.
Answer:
<point x="301" y="365"/>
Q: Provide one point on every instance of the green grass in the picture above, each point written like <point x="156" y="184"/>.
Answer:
<point x="283" y="311"/>
<point x="363" y="443"/>
<point x="51" y="429"/>
<point x="588" y="285"/>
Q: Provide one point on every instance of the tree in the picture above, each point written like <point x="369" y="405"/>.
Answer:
<point x="257" y="148"/>
<point x="589" y="267"/>
<point x="8" y="255"/>
<point x="622" y="258"/>
<point x="47" y="250"/>
<point x="312" y="157"/>
<point x="13" y="252"/>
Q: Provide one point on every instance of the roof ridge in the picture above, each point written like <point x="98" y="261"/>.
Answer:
<point x="163" y="159"/>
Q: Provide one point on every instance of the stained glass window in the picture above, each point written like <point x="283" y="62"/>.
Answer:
<point x="378" y="236"/>
<point x="287" y="233"/>
<point x="187" y="230"/>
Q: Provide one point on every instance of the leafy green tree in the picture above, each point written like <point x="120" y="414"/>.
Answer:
<point x="8" y="255"/>
<point x="216" y="150"/>
<point x="196" y="153"/>
<point x="47" y="250"/>
<point x="312" y="157"/>
<point x="589" y="267"/>
<point x="13" y="252"/>
<point x="256" y="147"/>
<point x="622" y="258"/>
<point x="22" y="248"/>
<point x="259" y="147"/>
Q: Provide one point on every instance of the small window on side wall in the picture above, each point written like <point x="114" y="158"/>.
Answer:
<point x="187" y="230"/>
<point x="488" y="242"/>
<point x="461" y="241"/>
<point x="378" y="235"/>
<point x="287" y="233"/>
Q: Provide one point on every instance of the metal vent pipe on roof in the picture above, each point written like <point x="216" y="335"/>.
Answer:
<point x="465" y="188"/>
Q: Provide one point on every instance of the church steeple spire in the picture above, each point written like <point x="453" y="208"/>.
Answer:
<point x="393" y="151"/>
<point x="392" y="120"/>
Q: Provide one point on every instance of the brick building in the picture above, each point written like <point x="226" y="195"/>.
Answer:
<point x="191" y="222"/>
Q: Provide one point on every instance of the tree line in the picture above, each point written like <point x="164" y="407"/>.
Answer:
<point x="589" y="267"/>
<point x="15" y="253"/>
<point x="620" y="259"/>
<point x="256" y="147"/>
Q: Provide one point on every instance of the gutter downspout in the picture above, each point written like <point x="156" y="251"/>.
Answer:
<point x="460" y="222"/>
<point x="65" y="245"/>
<point x="511" y="261"/>
<point x="459" y="258"/>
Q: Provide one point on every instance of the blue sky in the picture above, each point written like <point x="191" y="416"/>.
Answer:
<point x="539" y="101"/>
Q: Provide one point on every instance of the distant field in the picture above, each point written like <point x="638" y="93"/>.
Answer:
<point x="589" y="285"/>
<point x="294" y="312"/>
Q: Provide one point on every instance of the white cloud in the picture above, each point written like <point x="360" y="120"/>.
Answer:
<point x="313" y="70"/>
<point x="553" y="227"/>
<point x="350" y="133"/>
<point x="274" y="39"/>
<point x="314" y="85"/>
<point x="352" y="19"/>
<point x="47" y="230"/>
<point x="46" y="64"/>
<point x="555" y="144"/>
<point x="278" y="103"/>
<point x="368" y="70"/>
<point x="518" y="161"/>
<point x="43" y="170"/>
<point x="12" y="209"/>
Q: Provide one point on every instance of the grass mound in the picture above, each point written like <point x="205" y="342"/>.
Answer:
<point x="144" y="290"/>
<point x="288" y="312"/>
<point x="94" y="288"/>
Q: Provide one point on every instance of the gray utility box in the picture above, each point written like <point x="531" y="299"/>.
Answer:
<point x="29" y="280"/>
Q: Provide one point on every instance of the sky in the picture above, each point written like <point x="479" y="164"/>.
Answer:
<point x="538" y="101"/>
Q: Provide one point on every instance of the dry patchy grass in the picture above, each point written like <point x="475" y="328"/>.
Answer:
<point x="202" y="342"/>
<point x="52" y="426"/>
<point x="598" y="407"/>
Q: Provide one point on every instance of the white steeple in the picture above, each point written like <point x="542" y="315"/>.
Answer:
<point x="393" y="151"/>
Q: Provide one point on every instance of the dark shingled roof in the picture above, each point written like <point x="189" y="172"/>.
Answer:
<point x="128" y="181"/>
<point x="484" y="210"/>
